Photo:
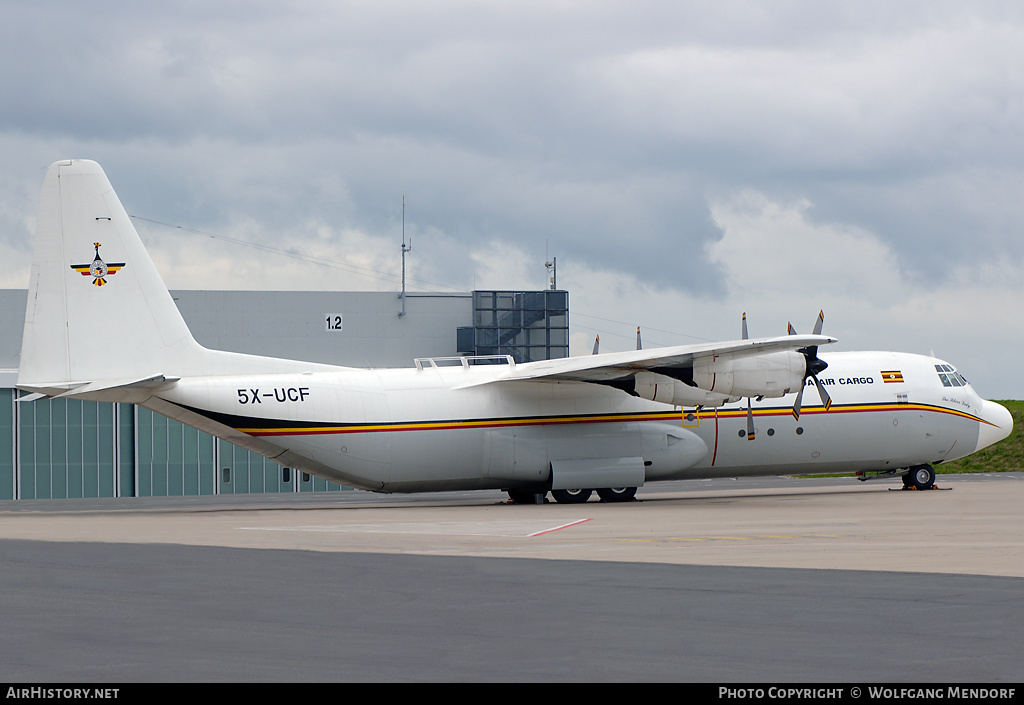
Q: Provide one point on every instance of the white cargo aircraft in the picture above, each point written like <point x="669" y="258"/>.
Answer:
<point x="101" y="325"/>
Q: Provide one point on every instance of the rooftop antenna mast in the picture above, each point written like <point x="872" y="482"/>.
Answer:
<point x="405" y="249"/>
<point x="552" y="267"/>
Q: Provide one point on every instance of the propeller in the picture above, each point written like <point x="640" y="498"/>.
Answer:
<point x="814" y="365"/>
<point x="597" y="343"/>
<point x="638" y="346"/>
<point x="750" y="412"/>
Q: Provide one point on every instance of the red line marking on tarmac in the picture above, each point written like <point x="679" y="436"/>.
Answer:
<point x="557" y="528"/>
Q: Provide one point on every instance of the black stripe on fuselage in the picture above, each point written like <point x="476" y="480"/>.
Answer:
<point x="257" y="426"/>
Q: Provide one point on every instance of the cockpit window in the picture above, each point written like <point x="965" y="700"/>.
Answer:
<point x="950" y="377"/>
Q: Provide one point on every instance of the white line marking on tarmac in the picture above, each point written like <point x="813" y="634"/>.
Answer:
<point x="508" y="529"/>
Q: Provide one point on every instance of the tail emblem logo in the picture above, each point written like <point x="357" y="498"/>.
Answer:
<point x="98" y="269"/>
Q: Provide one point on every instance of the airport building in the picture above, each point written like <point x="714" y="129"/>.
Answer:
<point x="64" y="448"/>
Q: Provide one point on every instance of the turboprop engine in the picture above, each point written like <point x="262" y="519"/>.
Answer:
<point x="656" y="387"/>
<point x="772" y="375"/>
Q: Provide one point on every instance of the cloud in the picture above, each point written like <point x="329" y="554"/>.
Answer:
<point x="684" y="162"/>
<point x="780" y="265"/>
<point x="776" y="251"/>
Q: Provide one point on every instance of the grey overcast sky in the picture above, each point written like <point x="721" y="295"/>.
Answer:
<point x="684" y="161"/>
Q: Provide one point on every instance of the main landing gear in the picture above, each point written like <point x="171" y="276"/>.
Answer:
<point x="608" y="494"/>
<point x="571" y="496"/>
<point x="527" y="497"/>
<point x="617" y="494"/>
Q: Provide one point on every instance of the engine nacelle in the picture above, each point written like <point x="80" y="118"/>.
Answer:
<point x="656" y="387"/>
<point x="770" y="375"/>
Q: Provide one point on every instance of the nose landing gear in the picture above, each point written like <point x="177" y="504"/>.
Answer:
<point x="919" y="477"/>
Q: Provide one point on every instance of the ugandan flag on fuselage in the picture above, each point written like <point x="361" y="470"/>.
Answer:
<point x="891" y="376"/>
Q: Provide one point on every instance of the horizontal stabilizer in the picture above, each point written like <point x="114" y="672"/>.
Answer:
<point x="146" y="383"/>
<point x="130" y="389"/>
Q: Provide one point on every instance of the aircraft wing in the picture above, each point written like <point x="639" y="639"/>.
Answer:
<point x="610" y="366"/>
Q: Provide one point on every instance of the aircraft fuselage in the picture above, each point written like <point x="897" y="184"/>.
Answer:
<point x="411" y="430"/>
<point x="608" y="422"/>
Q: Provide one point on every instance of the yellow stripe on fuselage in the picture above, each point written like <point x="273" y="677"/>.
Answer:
<point x="675" y="415"/>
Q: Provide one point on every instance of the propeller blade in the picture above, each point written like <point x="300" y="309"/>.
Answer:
<point x="825" y="398"/>
<point x="638" y="346"/>
<point x="799" y="401"/>
<point x="743" y="328"/>
<point x="597" y="343"/>
<point x="790" y="330"/>
<point x="819" y="323"/>
<point x="750" y="421"/>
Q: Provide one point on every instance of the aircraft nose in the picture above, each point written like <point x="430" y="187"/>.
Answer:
<point x="996" y="424"/>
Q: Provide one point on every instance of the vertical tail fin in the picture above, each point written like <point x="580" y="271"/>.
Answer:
<point x="97" y="308"/>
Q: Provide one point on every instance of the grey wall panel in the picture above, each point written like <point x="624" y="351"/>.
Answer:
<point x="68" y="448"/>
<point x="8" y="430"/>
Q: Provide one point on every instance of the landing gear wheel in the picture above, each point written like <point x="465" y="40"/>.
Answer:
<point x="526" y="497"/>
<point x="922" y="477"/>
<point x="617" y="494"/>
<point x="571" y="496"/>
